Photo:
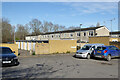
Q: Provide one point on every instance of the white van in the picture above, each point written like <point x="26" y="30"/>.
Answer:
<point x="87" y="50"/>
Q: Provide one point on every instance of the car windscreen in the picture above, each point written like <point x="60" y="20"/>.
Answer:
<point x="86" y="47"/>
<point x="5" y="51"/>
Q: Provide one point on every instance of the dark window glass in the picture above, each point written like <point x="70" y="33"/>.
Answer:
<point x="78" y="34"/>
<point x="91" y="33"/>
<point x="101" y="48"/>
<point x="52" y="36"/>
<point x="5" y="51"/>
<point x="71" y="35"/>
<point x="93" y="47"/>
<point x="84" y="33"/>
<point x="86" y="47"/>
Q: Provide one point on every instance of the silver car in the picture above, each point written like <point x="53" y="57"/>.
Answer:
<point x="87" y="50"/>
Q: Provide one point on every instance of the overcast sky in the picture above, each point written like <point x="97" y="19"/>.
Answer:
<point x="63" y="13"/>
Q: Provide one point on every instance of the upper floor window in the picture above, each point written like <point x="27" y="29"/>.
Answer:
<point x="78" y="34"/>
<point x="91" y="33"/>
<point x="84" y="33"/>
<point x="71" y="35"/>
<point x="52" y="36"/>
<point x="64" y="35"/>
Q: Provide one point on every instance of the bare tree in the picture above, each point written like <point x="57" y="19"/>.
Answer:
<point x="21" y="32"/>
<point x="56" y="27"/>
<point x="35" y="25"/>
<point x="7" y="32"/>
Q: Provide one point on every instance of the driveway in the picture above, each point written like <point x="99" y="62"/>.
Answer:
<point x="61" y="66"/>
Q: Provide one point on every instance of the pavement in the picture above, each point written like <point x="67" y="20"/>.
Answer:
<point x="61" y="66"/>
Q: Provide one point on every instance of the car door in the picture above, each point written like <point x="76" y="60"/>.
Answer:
<point x="116" y="51"/>
<point x="99" y="50"/>
<point x="112" y="51"/>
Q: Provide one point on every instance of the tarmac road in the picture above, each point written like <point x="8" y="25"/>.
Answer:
<point x="61" y="66"/>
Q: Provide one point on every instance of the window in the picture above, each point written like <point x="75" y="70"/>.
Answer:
<point x="91" y="33"/>
<point x="101" y="48"/>
<point x="93" y="47"/>
<point x="71" y="35"/>
<point x="86" y="47"/>
<point x="52" y="36"/>
<point x="78" y="34"/>
<point x="84" y="33"/>
<point x="59" y="35"/>
<point x="64" y="35"/>
<point x="112" y="48"/>
<point x="5" y="51"/>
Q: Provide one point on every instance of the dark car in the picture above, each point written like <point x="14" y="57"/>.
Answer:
<point x="8" y="57"/>
<point x="107" y="52"/>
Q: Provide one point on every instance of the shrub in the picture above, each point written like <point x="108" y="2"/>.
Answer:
<point x="78" y="47"/>
<point x="68" y="52"/>
<point x="33" y="53"/>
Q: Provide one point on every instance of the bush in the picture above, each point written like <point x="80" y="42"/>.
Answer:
<point x="78" y="47"/>
<point x="68" y="52"/>
<point x="33" y="53"/>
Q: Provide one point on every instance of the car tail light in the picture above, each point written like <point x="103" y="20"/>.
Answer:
<point x="105" y="51"/>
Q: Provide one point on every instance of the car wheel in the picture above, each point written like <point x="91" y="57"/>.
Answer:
<point x="88" y="56"/>
<point x="108" y="58"/>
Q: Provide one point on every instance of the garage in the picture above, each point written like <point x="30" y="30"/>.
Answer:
<point x="25" y="46"/>
<point x="18" y="43"/>
<point x="34" y="46"/>
<point x="22" y="46"/>
<point x="29" y="45"/>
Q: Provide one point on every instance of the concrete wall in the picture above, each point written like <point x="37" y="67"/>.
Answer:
<point x="56" y="46"/>
<point x="13" y="47"/>
<point x="104" y="40"/>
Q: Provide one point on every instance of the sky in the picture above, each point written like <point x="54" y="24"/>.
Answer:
<point x="63" y="13"/>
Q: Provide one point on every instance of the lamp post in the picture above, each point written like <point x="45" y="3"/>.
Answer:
<point x="111" y="25"/>
<point x="80" y="34"/>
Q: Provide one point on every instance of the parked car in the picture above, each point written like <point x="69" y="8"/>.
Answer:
<point x="87" y="50"/>
<point x="7" y="56"/>
<point x="107" y="52"/>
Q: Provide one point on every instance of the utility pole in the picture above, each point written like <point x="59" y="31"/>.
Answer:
<point x="80" y="34"/>
<point x="111" y="25"/>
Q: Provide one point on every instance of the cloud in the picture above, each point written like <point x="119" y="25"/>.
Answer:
<point x="93" y="7"/>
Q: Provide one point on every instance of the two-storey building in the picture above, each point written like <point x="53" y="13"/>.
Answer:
<point x="81" y="35"/>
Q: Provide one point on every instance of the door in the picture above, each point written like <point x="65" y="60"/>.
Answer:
<point x="34" y="46"/>
<point x="22" y="45"/>
<point x="25" y="45"/>
<point x="112" y="51"/>
<point x="29" y="46"/>
<point x="116" y="51"/>
<point x="18" y="45"/>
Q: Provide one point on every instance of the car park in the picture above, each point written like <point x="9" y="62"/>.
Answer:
<point x="107" y="52"/>
<point x="7" y="56"/>
<point x="87" y="50"/>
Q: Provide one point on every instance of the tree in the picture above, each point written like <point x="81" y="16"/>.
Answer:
<point x="98" y="24"/>
<point x="56" y="27"/>
<point x="21" y="32"/>
<point x="7" y="31"/>
<point x="35" y="25"/>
